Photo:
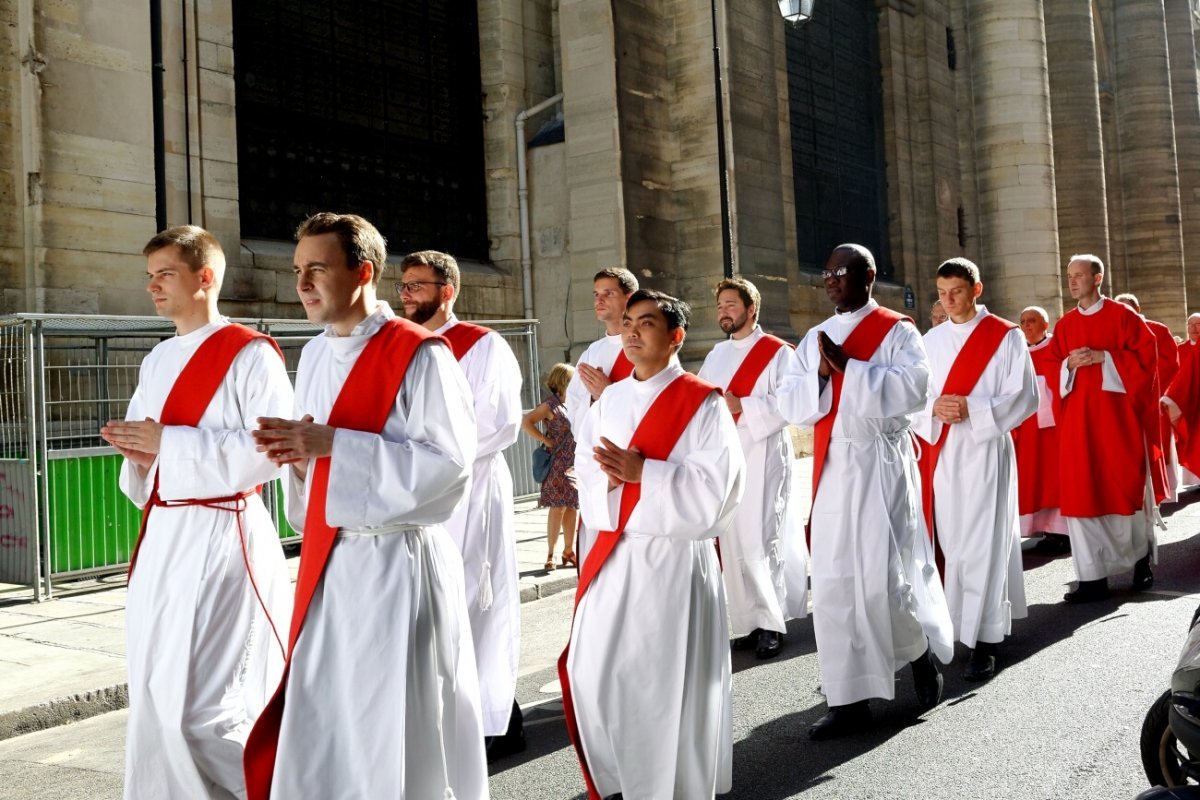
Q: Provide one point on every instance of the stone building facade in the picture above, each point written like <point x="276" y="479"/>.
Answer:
<point x="1014" y="132"/>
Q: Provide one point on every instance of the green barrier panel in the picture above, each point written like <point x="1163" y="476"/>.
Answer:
<point x="92" y="524"/>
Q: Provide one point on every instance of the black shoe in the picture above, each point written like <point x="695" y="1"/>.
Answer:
<point x="747" y="642"/>
<point x="768" y="644"/>
<point x="982" y="664"/>
<point x="511" y="742"/>
<point x="1088" y="591"/>
<point x="1143" y="576"/>
<point x="927" y="681"/>
<point x="842" y="721"/>
<point x="1055" y="544"/>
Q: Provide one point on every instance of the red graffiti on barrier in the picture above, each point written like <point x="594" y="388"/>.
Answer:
<point x="9" y="541"/>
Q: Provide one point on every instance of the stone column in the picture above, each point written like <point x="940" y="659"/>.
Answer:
<point x="1014" y="155"/>
<point x="1146" y="149"/>
<point x="1079" y="142"/>
<point x="593" y="154"/>
<point x="1185" y="102"/>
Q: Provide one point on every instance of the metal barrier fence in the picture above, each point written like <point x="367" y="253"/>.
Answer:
<point x="62" y="514"/>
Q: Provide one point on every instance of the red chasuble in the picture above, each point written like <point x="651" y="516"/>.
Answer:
<point x="751" y="369"/>
<point x="193" y="390"/>
<point x="363" y="404"/>
<point x="1037" y="447"/>
<point x="1185" y="391"/>
<point x="1104" y="436"/>
<point x="965" y="372"/>
<point x="1167" y="368"/>
<point x="463" y="336"/>
<point x="860" y="345"/>
<point x="656" y="436"/>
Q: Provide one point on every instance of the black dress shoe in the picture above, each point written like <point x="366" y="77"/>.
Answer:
<point x="747" y="642"/>
<point x="1088" y="591"/>
<point x="768" y="644"/>
<point x="927" y="681"/>
<point x="1143" y="576"/>
<point x="1055" y="544"/>
<point x="842" y="721"/>
<point x="511" y="741"/>
<point x="982" y="664"/>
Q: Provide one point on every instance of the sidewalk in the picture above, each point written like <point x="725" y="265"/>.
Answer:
<point x="64" y="660"/>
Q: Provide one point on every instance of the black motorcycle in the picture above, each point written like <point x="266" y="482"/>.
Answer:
<point x="1171" y="731"/>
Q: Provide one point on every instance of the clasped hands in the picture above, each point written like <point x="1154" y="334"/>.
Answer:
<point x="951" y="408"/>
<point x="621" y="465"/>
<point x="138" y="440"/>
<point x="594" y="380"/>
<point x="290" y="441"/>
<point x="1084" y="356"/>
<point x="833" y="357"/>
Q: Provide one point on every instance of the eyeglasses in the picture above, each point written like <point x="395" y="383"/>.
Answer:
<point x="840" y="272"/>
<point x="412" y="287"/>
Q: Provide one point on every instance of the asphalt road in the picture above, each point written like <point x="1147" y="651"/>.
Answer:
<point x="1060" y="720"/>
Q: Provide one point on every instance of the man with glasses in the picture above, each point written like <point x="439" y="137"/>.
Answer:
<point x="483" y="526"/>
<point x="877" y="601"/>
<point x="602" y="363"/>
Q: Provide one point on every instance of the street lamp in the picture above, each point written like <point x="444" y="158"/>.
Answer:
<point x="796" y="10"/>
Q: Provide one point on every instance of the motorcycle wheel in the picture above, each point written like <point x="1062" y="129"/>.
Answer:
<point x="1161" y="751"/>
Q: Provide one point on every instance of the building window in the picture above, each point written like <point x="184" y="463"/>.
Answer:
<point x="835" y="98"/>
<point x="372" y="108"/>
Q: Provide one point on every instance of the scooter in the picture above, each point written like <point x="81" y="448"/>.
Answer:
<point x="1171" y="731"/>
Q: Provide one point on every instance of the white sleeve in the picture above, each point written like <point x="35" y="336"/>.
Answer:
<point x="894" y="387"/>
<point x="761" y="414"/>
<point x="497" y="394"/>
<point x="805" y="397"/>
<point x="209" y="462"/>
<point x="1017" y="398"/>
<point x="135" y="482"/>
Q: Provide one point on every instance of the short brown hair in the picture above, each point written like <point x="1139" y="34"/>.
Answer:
<point x="442" y="264"/>
<point x="560" y="375"/>
<point x="360" y="240"/>
<point x="624" y="278"/>
<point x="1130" y="300"/>
<point x="745" y="289"/>
<point x="959" y="268"/>
<point x="1097" y="264"/>
<point x="198" y="247"/>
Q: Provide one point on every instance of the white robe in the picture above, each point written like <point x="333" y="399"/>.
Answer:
<point x="1112" y="543"/>
<point x="382" y="697"/>
<point x="876" y="592"/>
<point x="484" y="529"/>
<point x="601" y="354"/>
<point x="975" y="484"/>
<point x="649" y="662"/>
<point x="202" y="656"/>
<point x="765" y="542"/>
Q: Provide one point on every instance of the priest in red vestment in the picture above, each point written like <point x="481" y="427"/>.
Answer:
<point x="1108" y="433"/>
<point x="1166" y="368"/>
<point x="1036" y="439"/>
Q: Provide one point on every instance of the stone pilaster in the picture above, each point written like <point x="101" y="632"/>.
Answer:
<point x="1146" y="149"/>
<point x="1079" y="179"/>
<point x="1014" y="159"/>
<point x="1185" y="104"/>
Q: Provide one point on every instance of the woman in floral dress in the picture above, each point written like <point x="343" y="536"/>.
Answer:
<point x="558" y="490"/>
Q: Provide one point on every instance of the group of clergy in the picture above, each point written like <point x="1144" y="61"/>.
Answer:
<point x="390" y="671"/>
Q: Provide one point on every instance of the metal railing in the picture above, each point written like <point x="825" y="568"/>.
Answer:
<point x="62" y="514"/>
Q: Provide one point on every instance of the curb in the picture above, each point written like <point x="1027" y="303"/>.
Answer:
<point x="73" y="708"/>
<point x="539" y="591"/>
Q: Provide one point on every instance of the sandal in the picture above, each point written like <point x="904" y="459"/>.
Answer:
<point x="550" y="564"/>
<point x="568" y="559"/>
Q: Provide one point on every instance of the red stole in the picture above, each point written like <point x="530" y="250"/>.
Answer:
<point x="860" y="345"/>
<point x="622" y="368"/>
<point x="194" y="390"/>
<point x="363" y="404"/>
<point x="965" y="372"/>
<point x="655" y="437"/>
<point x="463" y="336"/>
<point x="744" y="380"/>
